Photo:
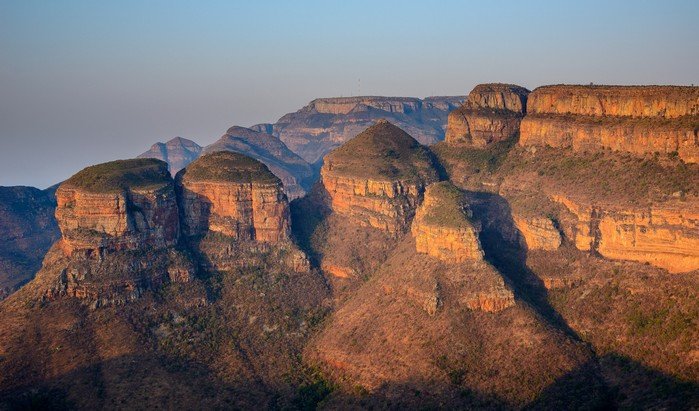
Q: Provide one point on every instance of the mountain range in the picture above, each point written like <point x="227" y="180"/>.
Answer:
<point x="540" y="250"/>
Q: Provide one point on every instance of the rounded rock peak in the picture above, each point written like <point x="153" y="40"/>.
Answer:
<point x="120" y="175"/>
<point x="382" y="151"/>
<point x="228" y="166"/>
<point x="499" y="87"/>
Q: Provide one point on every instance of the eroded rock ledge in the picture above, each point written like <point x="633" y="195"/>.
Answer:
<point x="636" y="119"/>
<point x="441" y="227"/>
<point x="665" y="235"/>
<point x="492" y="113"/>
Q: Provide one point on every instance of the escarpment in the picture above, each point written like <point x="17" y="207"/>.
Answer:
<point x="326" y="123"/>
<point x="636" y="119"/>
<point x="491" y="113"/>
<point x="665" y="235"/>
<point x="378" y="178"/>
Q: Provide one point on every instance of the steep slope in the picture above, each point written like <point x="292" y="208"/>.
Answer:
<point x="177" y="153"/>
<point x="602" y="231"/>
<point x="642" y="120"/>
<point x="366" y="198"/>
<point x="437" y="325"/>
<point x="27" y="230"/>
<point x="295" y="173"/>
<point x="326" y="123"/>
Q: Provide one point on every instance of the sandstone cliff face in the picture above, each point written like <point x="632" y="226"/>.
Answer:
<point x="492" y="113"/>
<point x="325" y="124"/>
<point x="294" y="172"/>
<point x="539" y="233"/>
<point x="619" y="101"/>
<point x="177" y="153"/>
<point x="378" y="177"/>
<point x="665" y="235"/>
<point x="441" y="227"/>
<point x="639" y="120"/>
<point x="233" y="195"/>
<point x="94" y="217"/>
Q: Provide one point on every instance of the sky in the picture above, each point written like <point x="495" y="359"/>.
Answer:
<point x="83" y="82"/>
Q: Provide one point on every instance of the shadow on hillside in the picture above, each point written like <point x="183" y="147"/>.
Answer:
<point x="504" y="249"/>
<point x="628" y="385"/>
<point x="154" y="381"/>
<point x="307" y="215"/>
<point x="147" y="381"/>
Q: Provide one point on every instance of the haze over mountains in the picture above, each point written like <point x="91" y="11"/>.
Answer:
<point x="544" y="255"/>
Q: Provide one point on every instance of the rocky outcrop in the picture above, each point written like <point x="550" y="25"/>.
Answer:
<point x="492" y="113"/>
<point x="27" y="230"/>
<point x="296" y="174"/>
<point x="234" y="195"/>
<point x="122" y="205"/>
<point x="177" y="153"/>
<point x="539" y="233"/>
<point x="635" y="119"/>
<point x="326" y="123"/>
<point x="378" y="177"/>
<point x="441" y="227"/>
<point x="119" y="226"/>
<point x="665" y="235"/>
<point x="616" y="101"/>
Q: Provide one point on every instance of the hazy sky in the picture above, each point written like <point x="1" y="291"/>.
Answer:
<point x="83" y="82"/>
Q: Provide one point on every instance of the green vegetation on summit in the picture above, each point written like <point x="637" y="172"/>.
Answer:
<point x="383" y="151"/>
<point x="118" y="175"/>
<point x="226" y="166"/>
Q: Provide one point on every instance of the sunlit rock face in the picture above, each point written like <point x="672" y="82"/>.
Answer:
<point x="635" y="119"/>
<point x="378" y="178"/>
<point x="122" y="205"/>
<point x="492" y="113"/>
<point x="233" y="195"/>
<point x="441" y="227"/>
<point x="539" y="233"/>
<point x="665" y="235"/>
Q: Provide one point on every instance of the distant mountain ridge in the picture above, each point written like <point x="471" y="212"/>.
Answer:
<point x="177" y="153"/>
<point x="326" y="123"/>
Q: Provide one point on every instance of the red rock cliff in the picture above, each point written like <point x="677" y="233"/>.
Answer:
<point x="635" y="119"/>
<point x="492" y="113"/>
<point x="122" y="205"/>
<point x="234" y="195"/>
<point x="378" y="177"/>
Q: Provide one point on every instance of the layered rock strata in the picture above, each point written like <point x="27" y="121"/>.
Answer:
<point x="492" y="113"/>
<point x="441" y="227"/>
<point x="665" y="235"/>
<point x="122" y="205"/>
<point x="378" y="177"/>
<point x="294" y="172"/>
<point x="539" y="233"/>
<point x="635" y="119"/>
<point x="233" y="195"/>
